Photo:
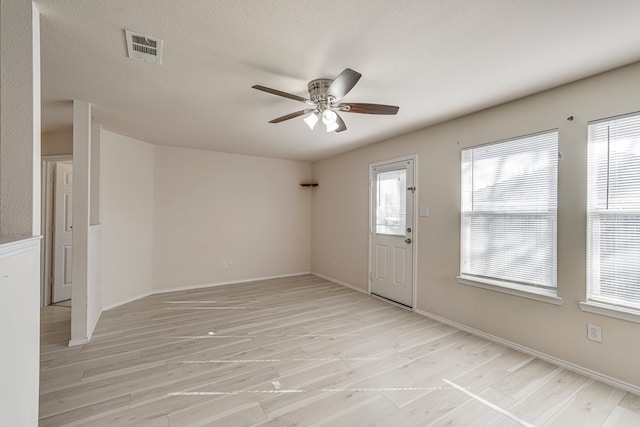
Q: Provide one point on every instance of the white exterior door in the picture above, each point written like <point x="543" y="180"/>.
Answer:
<point x="392" y="230"/>
<point x="62" y="253"/>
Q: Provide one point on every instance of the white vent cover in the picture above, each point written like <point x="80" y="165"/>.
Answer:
<point x="143" y="48"/>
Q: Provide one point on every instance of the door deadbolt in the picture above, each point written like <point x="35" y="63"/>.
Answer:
<point x="409" y="230"/>
<point x="407" y="240"/>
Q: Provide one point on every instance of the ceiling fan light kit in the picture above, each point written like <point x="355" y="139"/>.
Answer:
<point x="311" y="120"/>
<point x="324" y="100"/>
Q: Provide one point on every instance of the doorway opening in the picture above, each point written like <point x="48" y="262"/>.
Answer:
<point x="57" y="230"/>
<point x="392" y="230"/>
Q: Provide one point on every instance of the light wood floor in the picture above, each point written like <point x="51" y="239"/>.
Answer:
<point x="299" y="352"/>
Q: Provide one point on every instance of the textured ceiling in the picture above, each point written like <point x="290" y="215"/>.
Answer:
<point x="436" y="59"/>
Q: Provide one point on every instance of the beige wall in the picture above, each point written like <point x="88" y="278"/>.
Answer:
<point x="19" y="118"/>
<point x="340" y="218"/>
<point x="57" y="142"/>
<point x="171" y="216"/>
<point x="340" y="222"/>
<point x="211" y="207"/>
<point x="126" y="213"/>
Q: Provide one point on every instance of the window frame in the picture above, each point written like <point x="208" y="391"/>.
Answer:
<point x="599" y="303"/>
<point x="543" y="293"/>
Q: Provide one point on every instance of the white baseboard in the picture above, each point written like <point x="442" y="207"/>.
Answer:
<point x="340" y="282"/>
<point x="547" y="358"/>
<point x="79" y="341"/>
<point x="127" y="301"/>
<point x="231" y="282"/>
<point x="93" y="327"/>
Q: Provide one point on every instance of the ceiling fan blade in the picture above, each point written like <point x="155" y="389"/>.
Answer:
<point x="343" y="83"/>
<point x="371" y="108"/>
<point x="281" y="93"/>
<point x="289" y="116"/>
<point x="340" y="122"/>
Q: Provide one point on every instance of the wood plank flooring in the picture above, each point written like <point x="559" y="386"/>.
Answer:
<point x="301" y="352"/>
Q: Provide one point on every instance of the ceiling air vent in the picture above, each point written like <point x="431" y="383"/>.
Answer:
<point x="143" y="48"/>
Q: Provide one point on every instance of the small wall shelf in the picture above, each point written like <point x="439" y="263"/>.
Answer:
<point x="309" y="185"/>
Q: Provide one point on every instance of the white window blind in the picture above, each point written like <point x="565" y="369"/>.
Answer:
<point x="613" y="225"/>
<point x="509" y="210"/>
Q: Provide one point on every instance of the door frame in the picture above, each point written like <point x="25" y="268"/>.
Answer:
<point x="414" y="269"/>
<point x="46" y="250"/>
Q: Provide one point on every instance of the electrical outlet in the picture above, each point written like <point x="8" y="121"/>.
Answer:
<point x="225" y="264"/>
<point x="594" y="332"/>
<point x="229" y="264"/>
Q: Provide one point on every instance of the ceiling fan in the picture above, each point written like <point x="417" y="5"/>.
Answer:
<point x="324" y="102"/>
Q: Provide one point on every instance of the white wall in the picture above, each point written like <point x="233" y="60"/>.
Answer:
<point x="340" y="219"/>
<point x="20" y="330"/>
<point x="126" y="214"/>
<point x="94" y="262"/>
<point x="94" y="277"/>
<point x="80" y="328"/>
<point x="211" y="207"/>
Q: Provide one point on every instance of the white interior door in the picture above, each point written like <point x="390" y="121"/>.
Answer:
<point x="392" y="193"/>
<point x="63" y="251"/>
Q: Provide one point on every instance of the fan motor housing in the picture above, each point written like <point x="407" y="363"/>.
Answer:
<point x="318" y="89"/>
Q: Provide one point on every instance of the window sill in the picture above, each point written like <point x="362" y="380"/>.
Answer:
<point x="611" y="311"/>
<point x="542" y="295"/>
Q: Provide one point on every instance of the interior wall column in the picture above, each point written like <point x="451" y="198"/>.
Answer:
<point x="94" y="256"/>
<point x="81" y="215"/>
<point x="95" y="174"/>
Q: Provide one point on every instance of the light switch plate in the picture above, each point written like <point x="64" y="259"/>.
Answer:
<point x="424" y="210"/>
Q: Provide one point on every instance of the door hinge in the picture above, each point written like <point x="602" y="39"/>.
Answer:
<point x="412" y="189"/>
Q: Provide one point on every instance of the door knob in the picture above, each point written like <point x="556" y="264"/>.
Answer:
<point x="407" y="240"/>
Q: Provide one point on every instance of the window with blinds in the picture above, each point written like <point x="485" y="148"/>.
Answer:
<point x="613" y="224"/>
<point x="509" y="211"/>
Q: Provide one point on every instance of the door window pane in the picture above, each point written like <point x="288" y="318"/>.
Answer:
<point x="391" y="209"/>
